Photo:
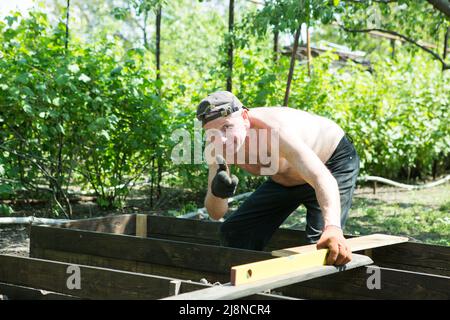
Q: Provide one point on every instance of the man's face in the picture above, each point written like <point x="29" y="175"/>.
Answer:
<point x="230" y="131"/>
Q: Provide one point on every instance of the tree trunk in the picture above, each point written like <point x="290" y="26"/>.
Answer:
<point x="393" y="48"/>
<point x="230" y="46"/>
<point x="308" y="50"/>
<point x="152" y="182"/>
<point x="144" y="30"/>
<point x="158" y="181"/>
<point x="275" y="46"/>
<point x="291" y="67"/>
<point x="66" y="42"/>
<point x="158" y="42"/>
<point x="447" y="35"/>
<point x="441" y="5"/>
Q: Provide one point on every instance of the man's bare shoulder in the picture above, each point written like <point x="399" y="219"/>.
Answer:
<point x="278" y="110"/>
<point x="281" y="115"/>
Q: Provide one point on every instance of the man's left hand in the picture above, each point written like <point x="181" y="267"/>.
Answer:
<point x="333" y="239"/>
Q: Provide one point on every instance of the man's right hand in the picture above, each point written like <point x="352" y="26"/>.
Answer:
<point x="223" y="185"/>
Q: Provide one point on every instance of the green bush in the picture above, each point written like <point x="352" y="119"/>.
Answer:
<point x="90" y="115"/>
<point x="399" y="121"/>
<point x="95" y="116"/>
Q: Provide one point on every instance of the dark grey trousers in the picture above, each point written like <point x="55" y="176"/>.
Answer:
<point x="252" y="225"/>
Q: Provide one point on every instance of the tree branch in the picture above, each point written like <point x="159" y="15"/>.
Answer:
<point x="442" y="6"/>
<point x="445" y="66"/>
<point x="447" y="34"/>
<point x="66" y="41"/>
<point x="378" y="1"/>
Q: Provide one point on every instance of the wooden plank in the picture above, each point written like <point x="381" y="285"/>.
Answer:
<point x="149" y="250"/>
<point x="186" y="227"/>
<point x="229" y="291"/>
<point x="102" y="283"/>
<point x="214" y="273"/>
<point x="122" y="224"/>
<point x="356" y="244"/>
<point x="323" y="290"/>
<point x="415" y="257"/>
<point x="152" y="269"/>
<point x="14" y="292"/>
<point x="130" y="265"/>
<point x="141" y="225"/>
<point x="186" y="287"/>
<point x="268" y="296"/>
<point x="409" y="255"/>
<point x="256" y="271"/>
<point x="394" y="284"/>
<point x="96" y="283"/>
<point x="208" y="232"/>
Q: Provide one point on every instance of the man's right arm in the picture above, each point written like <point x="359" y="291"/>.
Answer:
<point x="216" y="207"/>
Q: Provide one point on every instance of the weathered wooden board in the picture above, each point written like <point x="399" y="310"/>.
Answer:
<point x="256" y="271"/>
<point x="131" y="265"/>
<point x="207" y="232"/>
<point x="164" y="252"/>
<point x="353" y="284"/>
<point x="356" y="244"/>
<point x="14" y="292"/>
<point x="121" y="224"/>
<point x="408" y="256"/>
<point x="141" y="225"/>
<point x="20" y="276"/>
<point x="417" y="257"/>
<point x="230" y="291"/>
<point x="95" y="283"/>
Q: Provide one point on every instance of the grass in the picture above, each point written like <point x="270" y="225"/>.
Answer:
<point x="422" y="215"/>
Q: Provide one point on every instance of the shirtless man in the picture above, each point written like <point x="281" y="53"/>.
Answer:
<point x="317" y="167"/>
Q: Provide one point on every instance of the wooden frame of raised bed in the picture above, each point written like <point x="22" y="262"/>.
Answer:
<point x="171" y="256"/>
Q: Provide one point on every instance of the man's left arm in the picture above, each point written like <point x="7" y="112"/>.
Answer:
<point x="315" y="173"/>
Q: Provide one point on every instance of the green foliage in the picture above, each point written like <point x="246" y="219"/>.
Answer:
<point x="288" y="15"/>
<point x="400" y="122"/>
<point x="415" y="214"/>
<point x="90" y="115"/>
<point x="5" y="210"/>
<point x="95" y="116"/>
<point x="445" y="207"/>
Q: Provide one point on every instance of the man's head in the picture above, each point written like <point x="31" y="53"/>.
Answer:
<point x="224" y="112"/>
